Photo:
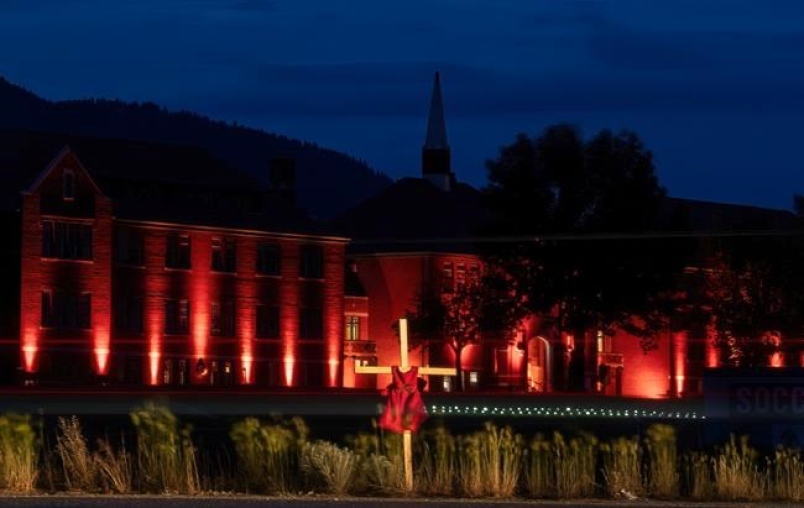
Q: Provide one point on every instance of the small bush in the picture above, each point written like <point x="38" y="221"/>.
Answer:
<point x="328" y="467"/>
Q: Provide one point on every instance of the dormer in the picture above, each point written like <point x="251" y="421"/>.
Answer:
<point x="65" y="188"/>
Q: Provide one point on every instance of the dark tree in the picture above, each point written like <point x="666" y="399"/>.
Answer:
<point x="755" y="297"/>
<point x="585" y="214"/>
<point x="461" y="317"/>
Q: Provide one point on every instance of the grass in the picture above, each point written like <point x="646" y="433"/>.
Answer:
<point x="165" y="453"/>
<point x="277" y="457"/>
<point x="19" y="449"/>
<point x="622" y="467"/>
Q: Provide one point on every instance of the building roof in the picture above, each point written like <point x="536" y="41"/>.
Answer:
<point x="703" y="216"/>
<point x="414" y="215"/>
<point x="174" y="173"/>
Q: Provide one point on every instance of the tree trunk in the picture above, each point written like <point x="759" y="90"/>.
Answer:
<point x="458" y="354"/>
<point x="577" y="364"/>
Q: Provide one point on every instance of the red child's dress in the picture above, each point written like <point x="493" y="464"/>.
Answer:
<point x="405" y="408"/>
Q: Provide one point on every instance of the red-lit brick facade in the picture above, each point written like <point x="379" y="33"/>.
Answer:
<point x="123" y="285"/>
<point x="144" y="302"/>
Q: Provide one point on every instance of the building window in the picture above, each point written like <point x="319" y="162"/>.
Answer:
<point x="129" y="247"/>
<point x="312" y="262"/>
<point x="460" y="275"/>
<point x="352" y="328"/>
<point x="66" y="240"/>
<point x="68" y="185"/>
<point x="177" y="317"/>
<point x="603" y="342"/>
<point x="447" y="277"/>
<point x="178" y="251"/>
<point x="267" y="322"/>
<point x="268" y="258"/>
<point x="223" y="319"/>
<point x="474" y="274"/>
<point x="223" y="254"/>
<point x="311" y="323"/>
<point x="66" y="310"/>
<point x="128" y="313"/>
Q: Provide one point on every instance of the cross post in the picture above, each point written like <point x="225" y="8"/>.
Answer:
<point x="404" y="366"/>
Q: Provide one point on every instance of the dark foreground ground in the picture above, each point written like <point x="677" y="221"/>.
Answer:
<point x="254" y="502"/>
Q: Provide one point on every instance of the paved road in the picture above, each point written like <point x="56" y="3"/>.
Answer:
<point x="255" y="502"/>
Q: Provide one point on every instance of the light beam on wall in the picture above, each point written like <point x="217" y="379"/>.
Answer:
<point x="101" y="350"/>
<point x="30" y="350"/>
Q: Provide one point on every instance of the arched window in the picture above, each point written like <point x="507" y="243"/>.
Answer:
<point x="68" y="185"/>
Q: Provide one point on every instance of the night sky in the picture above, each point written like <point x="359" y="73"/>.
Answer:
<point x="714" y="87"/>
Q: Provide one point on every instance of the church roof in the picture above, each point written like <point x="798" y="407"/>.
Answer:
<point x="414" y="215"/>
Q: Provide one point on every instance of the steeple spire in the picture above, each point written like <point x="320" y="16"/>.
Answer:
<point x="435" y="153"/>
<point x="436" y="126"/>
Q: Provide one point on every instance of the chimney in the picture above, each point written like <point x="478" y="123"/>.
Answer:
<point x="282" y="178"/>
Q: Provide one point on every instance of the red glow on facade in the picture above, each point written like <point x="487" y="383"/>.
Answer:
<point x="30" y="350"/>
<point x="777" y="360"/>
<point x="153" y="365"/>
<point x="200" y="297"/>
<point x="333" y="366"/>
<point x="101" y="349"/>
<point x="679" y="352"/>
<point x="247" y="361"/>
<point x="289" y="367"/>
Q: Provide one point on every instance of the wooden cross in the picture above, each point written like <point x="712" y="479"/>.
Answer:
<point x="404" y="366"/>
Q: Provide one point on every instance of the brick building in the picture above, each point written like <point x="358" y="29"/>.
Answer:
<point x="148" y="264"/>
<point x="418" y="233"/>
<point x="141" y="264"/>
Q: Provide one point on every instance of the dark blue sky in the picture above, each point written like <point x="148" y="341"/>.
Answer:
<point x="714" y="87"/>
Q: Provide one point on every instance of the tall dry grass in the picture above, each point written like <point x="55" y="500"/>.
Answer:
<point x="268" y="454"/>
<point x="540" y="474"/>
<point x="787" y="475"/>
<point x="575" y="465"/>
<point x="436" y="458"/>
<point x="697" y="468"/>
<point x="166" y="457"/>
<point x="736" y="472"/>
<point x="276" y="458"/>
<point x="381" y="468"/>
<point x="79" y="469"/>
<point x="19" y="449"/>
<point x="622" y="466"/>
<point x="661" y="446"/>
